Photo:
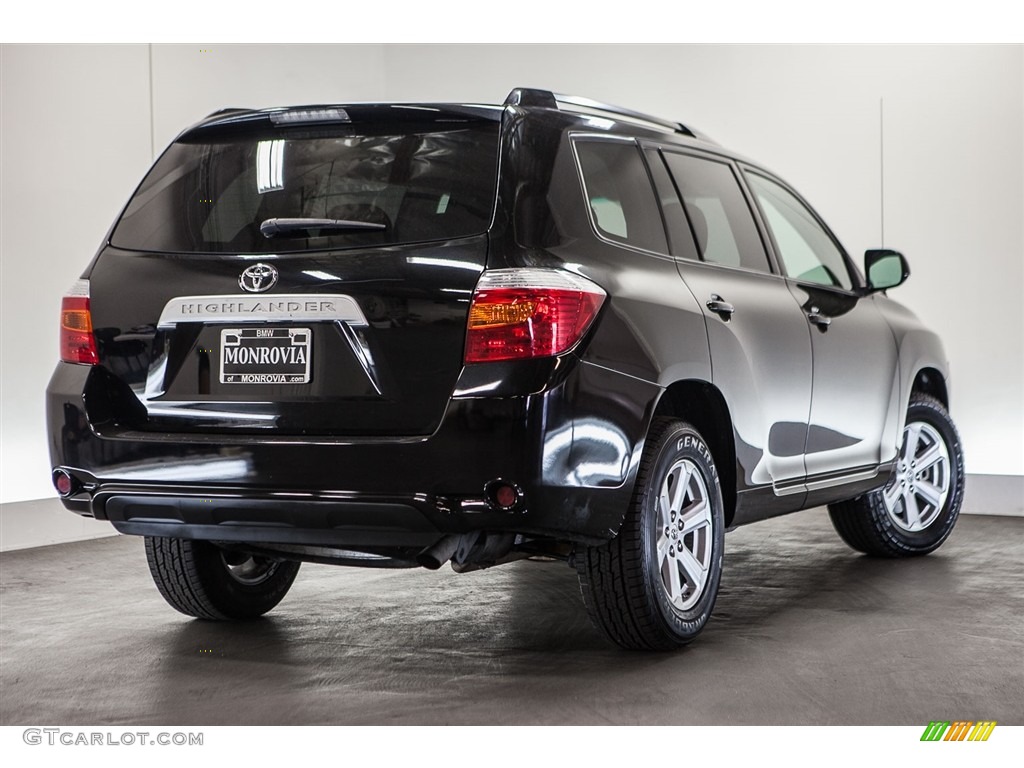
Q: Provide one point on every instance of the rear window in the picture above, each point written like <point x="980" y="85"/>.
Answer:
<point x="213" y="195"/>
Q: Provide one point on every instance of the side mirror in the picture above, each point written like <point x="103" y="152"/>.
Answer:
<point x="885" y="269"/>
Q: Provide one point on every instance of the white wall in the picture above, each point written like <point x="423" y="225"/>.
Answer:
<point x="78" y="131"/>
<point x="74" y="142"/>
<point x="190" y="82"/>
<point x="954" y="171"/>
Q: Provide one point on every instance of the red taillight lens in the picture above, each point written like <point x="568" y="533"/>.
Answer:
<point x="77" y="343"/>
<point x="522" y="313"/>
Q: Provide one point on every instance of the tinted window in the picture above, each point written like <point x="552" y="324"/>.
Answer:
<point x="806" y="250"/>
<point x="212" y="196"/>
<point x="620" y="195"/>
<point x="719" y="216"/>
<point x="679" y="235"/>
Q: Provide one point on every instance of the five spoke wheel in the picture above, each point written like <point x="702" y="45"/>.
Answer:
<point x="654" y="585"/>
<point x="916" y="510"/>
<point x="684" y="539"/>
<point x="917" y="491"/>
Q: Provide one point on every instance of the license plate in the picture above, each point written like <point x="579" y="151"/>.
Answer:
<point x="265" y="355"/>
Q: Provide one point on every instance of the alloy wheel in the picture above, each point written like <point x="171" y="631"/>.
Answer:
<point x="917" y="492"/>
<point x="685" y="538"/>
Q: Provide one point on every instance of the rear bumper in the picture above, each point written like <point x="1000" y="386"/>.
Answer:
<point x="572" y="449"/>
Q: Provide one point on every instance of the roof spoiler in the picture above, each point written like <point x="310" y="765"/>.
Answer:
<point x="226" y="110"/>
<point x="536" y="97"/>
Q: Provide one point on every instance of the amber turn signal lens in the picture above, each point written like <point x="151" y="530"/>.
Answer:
<point x="77" y="342"/>
<point x="76" y="320"/>
<point x="491" y="315"/>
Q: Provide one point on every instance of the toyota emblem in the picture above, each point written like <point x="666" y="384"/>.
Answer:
<point x="258" y="278"/>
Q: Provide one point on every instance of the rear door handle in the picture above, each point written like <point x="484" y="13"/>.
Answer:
<point x="720" y="307"/>
<point x="818" y="319"/>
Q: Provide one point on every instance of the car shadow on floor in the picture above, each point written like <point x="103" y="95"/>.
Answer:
<point x="522" y="620"/>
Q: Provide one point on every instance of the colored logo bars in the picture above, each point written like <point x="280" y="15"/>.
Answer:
<point x="960" y="730"/>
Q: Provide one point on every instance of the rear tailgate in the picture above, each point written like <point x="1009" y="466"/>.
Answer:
<point x="349" y="319"/>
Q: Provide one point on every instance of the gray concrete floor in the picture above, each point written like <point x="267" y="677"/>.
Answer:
<point x="805" y="631"/>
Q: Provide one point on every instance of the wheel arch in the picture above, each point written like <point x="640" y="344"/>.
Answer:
<point x="702" y="405"/>
<point x="930" y="381"/>
<point x="922" y="373"/>
<point x="923" y="367"/>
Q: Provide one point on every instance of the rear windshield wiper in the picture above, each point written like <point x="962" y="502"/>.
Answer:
<point x="275" y="227"/>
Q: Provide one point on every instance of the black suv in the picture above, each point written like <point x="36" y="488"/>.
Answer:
<point x="401" y="334"/>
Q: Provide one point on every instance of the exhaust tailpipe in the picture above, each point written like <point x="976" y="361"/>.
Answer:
<point x="436" y="555"/>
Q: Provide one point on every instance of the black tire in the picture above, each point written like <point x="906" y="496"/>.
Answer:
<point x="623" y="584"/>
<point x="202" y="580"/>
<point x="866" y="524"/>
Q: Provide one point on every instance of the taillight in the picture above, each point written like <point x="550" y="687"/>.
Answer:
<point x="77" y="343"/>
<point x="530" y="312"/>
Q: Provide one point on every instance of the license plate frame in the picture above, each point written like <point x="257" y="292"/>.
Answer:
<point x="266" y="355"/>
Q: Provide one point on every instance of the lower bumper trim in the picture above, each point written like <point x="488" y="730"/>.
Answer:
<point x="270" y="535"/>
<point x="269" y="520"/>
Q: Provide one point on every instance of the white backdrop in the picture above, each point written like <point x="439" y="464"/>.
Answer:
<point x="79" y="126"/>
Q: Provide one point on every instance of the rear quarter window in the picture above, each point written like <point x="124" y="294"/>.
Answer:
<point x="619" y="193"/>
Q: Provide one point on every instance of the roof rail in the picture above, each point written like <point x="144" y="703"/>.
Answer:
<point x="531" y="97"/>
<point x="597" y="106"/>
<point x="535" y="97"/>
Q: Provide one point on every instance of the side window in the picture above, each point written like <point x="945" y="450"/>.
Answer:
<point x="619" y="194"/>
<point x="806" y="250"/>
<point x="680" y="238"/>
<point x="719" y="216"/>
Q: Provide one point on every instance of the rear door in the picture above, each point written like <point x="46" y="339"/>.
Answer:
<point x="299" y="276"/>
<point x="760" y="347"/>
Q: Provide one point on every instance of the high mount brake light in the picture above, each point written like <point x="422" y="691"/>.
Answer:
<point x="530" y="312"/>
<point x="77" y="342"/>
